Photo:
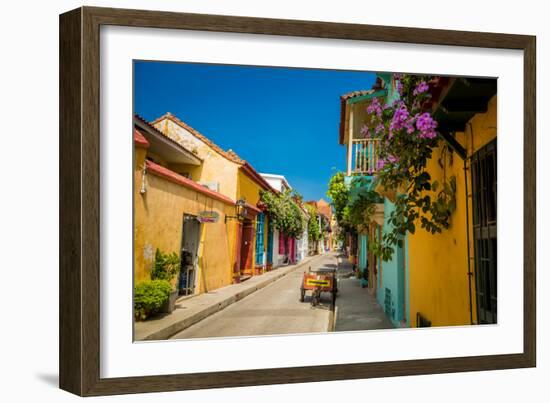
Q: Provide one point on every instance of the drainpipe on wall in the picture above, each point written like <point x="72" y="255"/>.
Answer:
<point x="463" y="153"/>
<point x="468" y="239"/>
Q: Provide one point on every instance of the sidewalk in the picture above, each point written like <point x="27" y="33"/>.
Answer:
<point x="194" y="309"/>
<point x="356" y="308"/>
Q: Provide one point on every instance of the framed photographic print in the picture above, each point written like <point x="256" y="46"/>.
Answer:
<point x="250" y="201"/>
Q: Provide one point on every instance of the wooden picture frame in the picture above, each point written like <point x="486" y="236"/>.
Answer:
<point x="80" y="197"/>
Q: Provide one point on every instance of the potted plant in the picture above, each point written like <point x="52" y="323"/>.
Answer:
<point x="149" y="297"/>
<point x="166" y="267"/>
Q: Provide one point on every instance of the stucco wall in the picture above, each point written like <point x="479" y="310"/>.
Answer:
<point x="215" y="167"/>
<point x="392" y="276"/>
<point x="158" y="216"/>
<point x="438" y="264"/>
<point x="302" y="245"/>
<point x="276" y="255"/>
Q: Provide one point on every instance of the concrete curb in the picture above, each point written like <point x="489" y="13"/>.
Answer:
<point x="176" y="327"/>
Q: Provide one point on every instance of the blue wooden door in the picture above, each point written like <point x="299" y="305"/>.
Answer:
<point x="260" y="238"/>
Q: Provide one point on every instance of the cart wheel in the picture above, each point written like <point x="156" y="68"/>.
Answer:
<point x="302" y="294"/>
<point x="315" y="298"/>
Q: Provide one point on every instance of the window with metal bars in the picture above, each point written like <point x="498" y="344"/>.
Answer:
<point x="484" y="202"/>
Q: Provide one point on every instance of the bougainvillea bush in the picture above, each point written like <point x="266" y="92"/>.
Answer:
<point x="408" y="135"/>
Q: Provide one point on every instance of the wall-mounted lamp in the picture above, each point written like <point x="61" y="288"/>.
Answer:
<point x="241" y="210"/>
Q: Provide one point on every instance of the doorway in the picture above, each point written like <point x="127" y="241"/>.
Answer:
<point x="189" y="255"/>
<point x="247" y="240"/>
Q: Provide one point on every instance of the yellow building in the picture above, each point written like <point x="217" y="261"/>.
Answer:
<point x="167" y="212"/>
<point x="452" y="275"/>
<point x="225" y="172"/>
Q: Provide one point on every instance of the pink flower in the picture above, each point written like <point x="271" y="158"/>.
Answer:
<point x="375" y="107"/>
<point x="426" y="125"/>
<point x="400" y="119"/>
<point x="421" y="88"/>
<point x="365" y="131"/>
<point x="399" y="88"/>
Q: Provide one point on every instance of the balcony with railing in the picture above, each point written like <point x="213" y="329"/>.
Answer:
<point x="363" y="156"/>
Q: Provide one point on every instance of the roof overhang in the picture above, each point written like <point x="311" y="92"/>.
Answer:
<point x="457" y="103"/>
<point x="171" y="151"/>
<point x="249" y="171"/>
<point x="176" y="178"/>
<point x="348" y="100"/>
<point x="277" y="177"/>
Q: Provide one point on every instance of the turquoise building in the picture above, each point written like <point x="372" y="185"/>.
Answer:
<point x="387" y="280"/>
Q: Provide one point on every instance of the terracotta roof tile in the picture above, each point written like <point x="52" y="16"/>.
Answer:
<point x="230" y="154"/>
<point x="157" y="131"/>
<point x="358" y="93"/>
<point x="324" y="210"/>
<point x="140" y="140"/>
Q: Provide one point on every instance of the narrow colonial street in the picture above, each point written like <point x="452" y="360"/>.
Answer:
<point x="275" y="309"/>
<point x="222" y="239"/>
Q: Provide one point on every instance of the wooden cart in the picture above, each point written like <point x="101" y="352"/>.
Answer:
<point x="318" y="281"/>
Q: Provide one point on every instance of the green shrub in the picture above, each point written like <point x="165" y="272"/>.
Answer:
<point x="149" y="296"/>
<point x="166" y="266"/>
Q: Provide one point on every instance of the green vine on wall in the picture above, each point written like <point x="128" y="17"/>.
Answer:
<point x="284" y="212"/>
<point x="313" y="229"/>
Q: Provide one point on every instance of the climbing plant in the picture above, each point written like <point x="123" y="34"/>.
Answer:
<point x="408" y="135"/>
<point x="339" y="194"/>
<point x="354" y="203"/>
<point x="284" y="212"/>
<point x="362" y="200"/>
<point x="313" y="229"/>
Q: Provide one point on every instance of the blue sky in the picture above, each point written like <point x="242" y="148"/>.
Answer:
<point x="281" y="120"/>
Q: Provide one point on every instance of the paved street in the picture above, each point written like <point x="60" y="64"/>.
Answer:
<point x="275" y="309"/>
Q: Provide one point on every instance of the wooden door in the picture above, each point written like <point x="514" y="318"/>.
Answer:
<point x="269" y="242"/>
<point x="238" y="247"/>
<point x="293" y="250"/>
<point x="246" y="248"/>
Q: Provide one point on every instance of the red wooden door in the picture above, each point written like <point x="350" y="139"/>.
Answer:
<point x="246" y="248"/>
<point x="238" y="247"/>
<point x="292" y="252"/>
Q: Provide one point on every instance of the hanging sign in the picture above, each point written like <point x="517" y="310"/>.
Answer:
<point x="208" y="217"/>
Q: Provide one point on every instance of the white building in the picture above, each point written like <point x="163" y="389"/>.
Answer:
<point x="279" y="183"/>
